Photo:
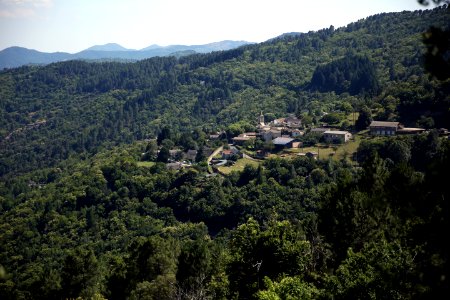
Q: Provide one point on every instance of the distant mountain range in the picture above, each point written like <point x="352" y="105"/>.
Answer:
<point x="108" y="47"/>
<point x="13" y="57"/>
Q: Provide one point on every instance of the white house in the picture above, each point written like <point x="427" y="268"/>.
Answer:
<point x="336" y="136"/>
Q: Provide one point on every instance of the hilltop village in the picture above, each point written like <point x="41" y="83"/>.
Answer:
<point x="280" y="137"/>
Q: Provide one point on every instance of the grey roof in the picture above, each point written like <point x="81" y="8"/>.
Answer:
<point x="282" y="141"/>
<point x="338" y="132"/>
<point x="383" y="124"/>
<point x="319" y="129"/>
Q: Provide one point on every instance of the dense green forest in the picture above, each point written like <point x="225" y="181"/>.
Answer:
<point x="375" y="62"/>
<point x="81" y="217"/>
<point x="299" y="229"/>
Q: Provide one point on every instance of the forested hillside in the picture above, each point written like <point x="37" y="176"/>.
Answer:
<point x="306" y="229"/>
<point x="89" y="105"/>
<point x="82" y="216"/>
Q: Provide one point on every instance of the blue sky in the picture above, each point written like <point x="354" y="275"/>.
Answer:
<point x="74" y="25"/>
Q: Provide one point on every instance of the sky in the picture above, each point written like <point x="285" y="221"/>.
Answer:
<point x="74" y="25"/>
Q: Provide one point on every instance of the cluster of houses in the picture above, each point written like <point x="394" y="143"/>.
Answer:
<point x="284" y="133"/>
<point x="179" y="159"/>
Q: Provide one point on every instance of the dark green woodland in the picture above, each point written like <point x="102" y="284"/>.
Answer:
<point x="89" y="209"/>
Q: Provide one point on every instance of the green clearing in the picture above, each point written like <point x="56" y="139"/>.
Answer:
<point x="146" y="164"/>
<point x="337" y="151"/>
<point x="239" y="165"/>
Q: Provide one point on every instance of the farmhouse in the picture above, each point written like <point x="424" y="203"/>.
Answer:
<point x="283" y="142"/>
<point x="244" y="137"/>
<point x="335" y="136"/>
<point x="271" y="134"/>
<point x="383" y="128"/>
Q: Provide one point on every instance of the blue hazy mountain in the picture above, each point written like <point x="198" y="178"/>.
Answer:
<point x="108" y="47"/>
<point x="217" y="46"/>
<point x="17" y="56"/>
<point x="13" y="57"/>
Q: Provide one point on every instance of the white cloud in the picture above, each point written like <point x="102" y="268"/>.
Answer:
<point x="22" y="8"/>
<point x="26" y="3"/>
<point x="16" y="13"/>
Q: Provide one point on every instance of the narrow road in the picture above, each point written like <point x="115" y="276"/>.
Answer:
<point x="214" y="154"/>
<point x="210" y="169"/>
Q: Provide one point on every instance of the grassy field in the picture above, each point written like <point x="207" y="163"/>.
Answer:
<point x="146" y="164"/>
<point x="239" y="165"/>
<point x="337" y="151"/>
